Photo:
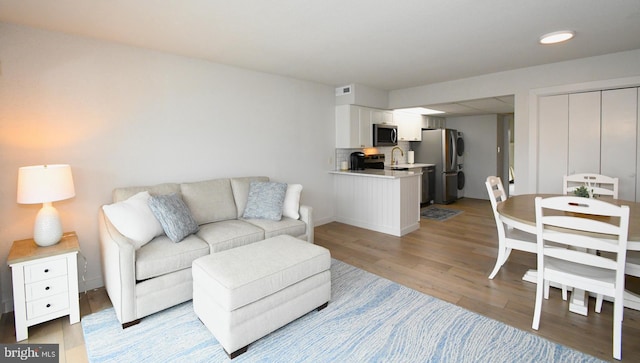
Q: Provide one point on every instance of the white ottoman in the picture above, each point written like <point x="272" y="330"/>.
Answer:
<point x="245" y="293"/>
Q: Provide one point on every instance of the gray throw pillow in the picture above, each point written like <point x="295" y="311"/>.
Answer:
<point x="174" y="216"/>
<point x="265" y="200"/>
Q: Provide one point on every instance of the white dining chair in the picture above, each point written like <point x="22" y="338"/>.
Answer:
<point x="599" y="184"/>
<point x="575" y="266"/>
<point x="508" y="238"/>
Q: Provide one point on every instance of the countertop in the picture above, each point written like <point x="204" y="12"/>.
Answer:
<point x="378" y="173"/>
<point x="410" y="166"/>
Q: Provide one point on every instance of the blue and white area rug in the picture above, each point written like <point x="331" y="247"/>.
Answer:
<point x="369" y="319"/>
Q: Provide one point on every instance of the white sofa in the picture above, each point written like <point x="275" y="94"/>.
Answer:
<point x="157" y="275"/>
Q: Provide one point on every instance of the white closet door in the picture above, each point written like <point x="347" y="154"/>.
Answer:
<point x="553" y="126"/>
<point x="584" y="133"/>
<point x="618" y="142"/>
<point x="638" y="156"/>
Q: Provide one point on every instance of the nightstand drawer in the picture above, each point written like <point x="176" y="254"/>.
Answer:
<point x="46" y="270"/>
<point x="50" y="287"/>
<point x="47" y="305"/>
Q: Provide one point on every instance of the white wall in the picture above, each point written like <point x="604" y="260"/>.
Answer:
<point x="480" y="156"/>
<point x="123" y="116"/>
<point x="364" y="96"/>
<point x="520" y="82"/>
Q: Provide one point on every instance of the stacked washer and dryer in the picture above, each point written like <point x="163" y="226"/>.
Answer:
<point x="460" y="151"/>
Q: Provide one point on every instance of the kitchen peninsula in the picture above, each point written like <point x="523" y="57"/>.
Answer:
<point x="386" y="201"/>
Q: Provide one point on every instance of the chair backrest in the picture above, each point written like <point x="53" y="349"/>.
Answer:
<point x="496" y="190"/>
<point x="497" y="195"/>
<point x="599" y="184"/>
<point x="565" y="220"/>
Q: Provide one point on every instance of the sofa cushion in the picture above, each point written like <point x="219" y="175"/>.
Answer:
<point x="224" y="235"/>
<point x="162" y="256"/>
<point x="240" y="188"/>
<point x="120" y="194"/>
<point x="210" y="200"/>
<point x="133" y="219"/>
<point x="290" y="226"/>
<point x="265" y="200"/>
<point x="291" y="206"/>
<point x="174" y="216"/>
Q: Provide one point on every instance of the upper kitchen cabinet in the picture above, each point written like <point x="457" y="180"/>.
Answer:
<point x="409" y="126"/>
<point x="381" y="116"/>
<point x="433" y="123"/>
<point x="354" y="125"/>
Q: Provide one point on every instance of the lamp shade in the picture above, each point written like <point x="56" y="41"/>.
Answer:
<point x="44" y="183"/>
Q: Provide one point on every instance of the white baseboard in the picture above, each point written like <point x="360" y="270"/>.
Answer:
<point x="7" y="306"/>
<point x="322" y="221"/>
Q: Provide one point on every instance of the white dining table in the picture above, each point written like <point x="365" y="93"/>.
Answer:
<point x="519" y="212"/>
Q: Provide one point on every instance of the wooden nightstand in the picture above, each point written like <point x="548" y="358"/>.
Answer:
<point x="45" y="282"/>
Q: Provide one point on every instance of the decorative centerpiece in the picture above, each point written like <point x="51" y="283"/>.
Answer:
<point x="584" y="192"/>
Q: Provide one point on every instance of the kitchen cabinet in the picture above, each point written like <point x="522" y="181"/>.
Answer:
<point x="354" y="125"/>
<point x="351" y="131"/>
<point x="381" y="116"/>
<point x="590" y="132"/>
<point x="409" y="126"/>
<point x="430" y="122"/>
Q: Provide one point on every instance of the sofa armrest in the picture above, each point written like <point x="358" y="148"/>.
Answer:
<point x="306" y="215"/>
<point x="118" y="268"/>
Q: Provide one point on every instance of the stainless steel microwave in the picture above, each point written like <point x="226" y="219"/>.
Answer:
<point x="385" y="135"/>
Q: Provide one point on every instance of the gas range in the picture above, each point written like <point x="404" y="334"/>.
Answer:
<point x="374" y="161"/>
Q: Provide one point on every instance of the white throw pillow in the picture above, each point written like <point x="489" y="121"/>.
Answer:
<point x="134" y="219"/>
<point x="292" y="201"/>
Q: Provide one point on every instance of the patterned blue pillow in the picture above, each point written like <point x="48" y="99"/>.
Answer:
<point x="174" y="216"/>
<point x="265" y="200"/>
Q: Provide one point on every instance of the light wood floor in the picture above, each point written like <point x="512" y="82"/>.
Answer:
<point x="449" y="260"/>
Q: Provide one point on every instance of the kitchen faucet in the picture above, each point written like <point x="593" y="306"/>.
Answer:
<point x="393" y="161"/>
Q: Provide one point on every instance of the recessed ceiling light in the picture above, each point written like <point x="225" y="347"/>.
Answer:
<point x="557" y="37"/>
<point x="419" y="110"/>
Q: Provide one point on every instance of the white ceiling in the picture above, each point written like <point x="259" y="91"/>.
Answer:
<point x="484" y="106"/>
<point x="378" y="43"/>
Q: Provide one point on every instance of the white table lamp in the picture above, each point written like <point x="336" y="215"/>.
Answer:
<point x="45" y="184"/>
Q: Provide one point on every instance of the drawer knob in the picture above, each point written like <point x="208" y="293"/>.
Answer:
<point x="47" y="288"/>
<point x="48" y="305"/>
<point x="46" y="270"/>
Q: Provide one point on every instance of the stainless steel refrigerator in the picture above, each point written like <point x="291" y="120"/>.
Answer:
<point x="439" y="147"/>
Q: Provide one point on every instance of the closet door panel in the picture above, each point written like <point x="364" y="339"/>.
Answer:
<point x="638" y="138"/>
<point x="553" y="126"/>
<point x="618" y="142"/>
<point x="584" y="133"/>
